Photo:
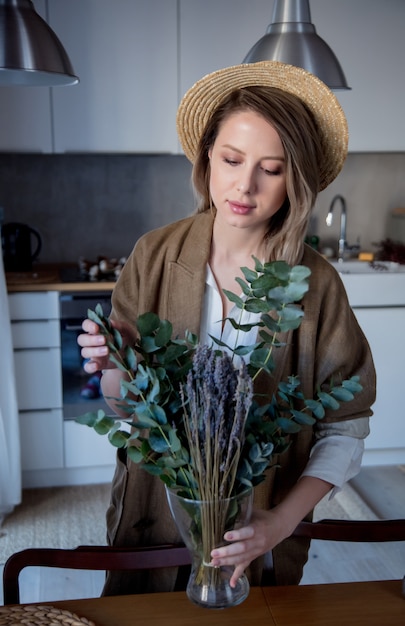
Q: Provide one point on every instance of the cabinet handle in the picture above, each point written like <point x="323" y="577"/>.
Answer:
<point x="73" y="327"/>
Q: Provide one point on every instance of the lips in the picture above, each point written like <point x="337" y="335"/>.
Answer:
<point x="240" y="208"/>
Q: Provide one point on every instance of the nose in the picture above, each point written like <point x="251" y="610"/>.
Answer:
<point x="246" y="182"/>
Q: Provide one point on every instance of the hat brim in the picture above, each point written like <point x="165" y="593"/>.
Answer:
<point x="201" y="100"/>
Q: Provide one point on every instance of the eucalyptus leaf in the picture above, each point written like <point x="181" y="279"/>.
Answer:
<point x="299" y="273"/>
<point x="118" y="438"/>
<point x="103" y="425"/>
<point x="148" y="344"/>
<point x="130" y="358"/>
<point x="246" y="290"/>
<point x="249" y="274"/>
<point x="164" y="333"/>
<point x="302" y="418"/>
<point x="270" y="323"/>
<point x="256" y="305"/>
<point x="352" y="384"/>
<point x="328" y="401"/>
<point x="117" y="362"/>
<point x="134" y="454"/>
<point x="315" y="407"/>
<point x="287" y="425"/>
<point x="342" y="394"/>
<point x="280" y="269"/>
<point x="232" y="297"/>
<point x="147" y="324"/>
<point x="158" y="442"/>
<point x="158" y="413"/>
<point x="117" y="338"/>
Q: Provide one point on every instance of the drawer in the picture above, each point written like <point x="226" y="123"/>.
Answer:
<point x="36" y="334"/>
<point x="41" y="437"/>
<point x="38" y="378"/>
<point x="40" y="305"/>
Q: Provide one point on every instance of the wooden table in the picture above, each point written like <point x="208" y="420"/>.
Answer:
<point x="344" y="604"/>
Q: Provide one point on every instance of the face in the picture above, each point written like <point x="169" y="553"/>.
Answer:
<point x="248" y="179"/>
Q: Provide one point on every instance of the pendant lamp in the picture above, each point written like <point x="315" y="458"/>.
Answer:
<point x="30" y="52"/>
<point x="291" y="38"/>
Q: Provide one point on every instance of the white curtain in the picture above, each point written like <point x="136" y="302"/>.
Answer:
<point x="10" y="465"/>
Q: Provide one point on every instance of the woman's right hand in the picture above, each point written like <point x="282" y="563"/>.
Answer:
<point x="93" y="345"/>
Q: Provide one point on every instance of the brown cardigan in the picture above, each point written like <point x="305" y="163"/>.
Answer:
<point x="166" y="274"/>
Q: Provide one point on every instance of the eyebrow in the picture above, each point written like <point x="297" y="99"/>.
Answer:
<point x="270" y="158"/>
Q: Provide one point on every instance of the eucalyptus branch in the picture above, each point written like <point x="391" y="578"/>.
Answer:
<point x="192" y="418"/>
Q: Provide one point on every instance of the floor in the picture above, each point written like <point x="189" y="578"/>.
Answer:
<point x="376" y="493"/>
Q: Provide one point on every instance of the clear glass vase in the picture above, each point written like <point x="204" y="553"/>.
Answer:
<point x="202" y="525"/>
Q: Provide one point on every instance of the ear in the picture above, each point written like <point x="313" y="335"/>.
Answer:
<point x="210" y="153"/>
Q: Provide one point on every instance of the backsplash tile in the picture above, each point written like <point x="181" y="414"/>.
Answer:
<point x="94" y="204"/>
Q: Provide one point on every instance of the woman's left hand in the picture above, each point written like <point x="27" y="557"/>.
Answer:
<point x="268" y="528"/>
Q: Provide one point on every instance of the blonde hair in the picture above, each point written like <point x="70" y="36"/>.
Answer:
<point x="301" y="142"/>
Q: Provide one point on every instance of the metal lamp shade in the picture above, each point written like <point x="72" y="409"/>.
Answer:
<point x="30" y="52"/>
<point x="291" y="38"/>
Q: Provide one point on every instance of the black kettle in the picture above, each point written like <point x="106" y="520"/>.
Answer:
<point x="18" y="241"/>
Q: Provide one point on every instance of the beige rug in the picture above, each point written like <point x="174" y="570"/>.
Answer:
<point x="346" y="504"/>
<point x="57" y="517"/>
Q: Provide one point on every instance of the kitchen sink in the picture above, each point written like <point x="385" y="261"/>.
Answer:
<point x="364" y="267"/>
<point x="372" y="284"/>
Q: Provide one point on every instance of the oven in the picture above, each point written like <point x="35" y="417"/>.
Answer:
<point x="81" y="391"/>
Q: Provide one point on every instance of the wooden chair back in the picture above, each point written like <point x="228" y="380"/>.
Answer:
<point x="110" y="558"/>
<point x="89" y="558"/>
<point x="353" y="530"/>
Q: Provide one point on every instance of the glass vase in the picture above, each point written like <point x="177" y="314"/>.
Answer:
<point x="202" y="525"/>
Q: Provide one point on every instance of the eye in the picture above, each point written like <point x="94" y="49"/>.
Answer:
<point x="269" y="172"/>
<point x="231" y="161"/>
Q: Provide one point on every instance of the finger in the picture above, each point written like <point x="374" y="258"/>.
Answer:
<point x="94" y="353"/>
<point x="237" y="573"/>
<point x="226" y="555"/>
<point x="92" y="366"/>
<point x="247" y="532"/>
<point x="90" y="327"/>
<point x="89" y="339"/>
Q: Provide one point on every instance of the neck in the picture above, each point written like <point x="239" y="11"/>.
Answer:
<point x="237" y="243"/>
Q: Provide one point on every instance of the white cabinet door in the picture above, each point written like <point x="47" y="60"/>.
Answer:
<point x="384" y="329"/>
<point x="41" y="436"/>
<point x="36" y="334"/>
<point x="366" y="36"/>
<point x="38" y="305"/>
<point x="25" y="120"/>
<point x="38" y="378"/>
<point x="125" y="54"/>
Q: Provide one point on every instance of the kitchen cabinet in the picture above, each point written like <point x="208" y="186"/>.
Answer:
<point x="25" y="120"/>
<point x="37" y="354"/>
<point x="378" y="301"/>
<point x="136" y="59"/>
<point x="384" y="329"/>
<point x="54" y="451"/>
<point x="125" y="54"/>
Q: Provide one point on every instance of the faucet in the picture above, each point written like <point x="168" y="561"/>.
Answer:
<point x="329" y="218"/>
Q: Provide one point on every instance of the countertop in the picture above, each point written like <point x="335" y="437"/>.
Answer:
<point x="48" y="278"/>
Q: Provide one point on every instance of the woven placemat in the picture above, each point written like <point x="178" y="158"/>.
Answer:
<point x="39" y="615"/>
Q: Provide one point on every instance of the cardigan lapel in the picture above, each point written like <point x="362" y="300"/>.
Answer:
<point x="186" y="284"/>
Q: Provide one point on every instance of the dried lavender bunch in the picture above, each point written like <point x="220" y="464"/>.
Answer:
<point x="216" y="400"/>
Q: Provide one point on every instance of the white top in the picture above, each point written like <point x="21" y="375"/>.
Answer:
<point x="337" y="454"/>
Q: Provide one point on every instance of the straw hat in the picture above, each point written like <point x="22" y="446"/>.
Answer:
<point x="205" y="95"/>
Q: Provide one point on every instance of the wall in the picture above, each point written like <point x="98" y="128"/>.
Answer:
<point x="90" y="205"/>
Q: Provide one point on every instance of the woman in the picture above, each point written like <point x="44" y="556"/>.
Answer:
<point x="264" y="139"/>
